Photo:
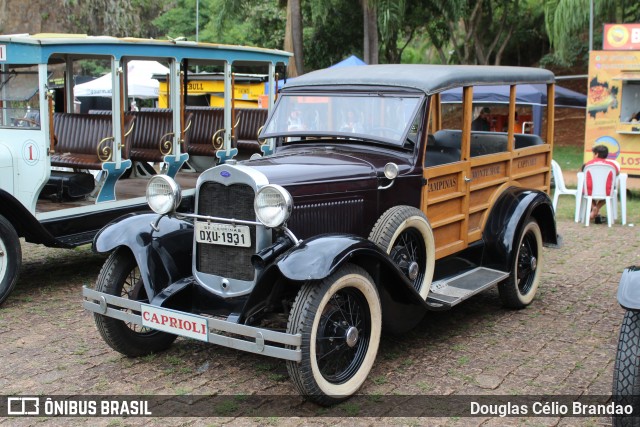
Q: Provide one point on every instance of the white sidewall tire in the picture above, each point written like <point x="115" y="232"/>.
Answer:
<point x="370" y="292"/>
<point x="509" y="290"/>
<point x="10" y="258"/>
<point x="417" y="220"/>
<point x="530" y="295"/>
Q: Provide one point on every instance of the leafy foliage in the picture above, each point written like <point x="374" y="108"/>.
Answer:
<point x="568" y="20"/>
<point x="180" y="19"/>
<point x="246" y="22"/>
<point x="514" y="32"/>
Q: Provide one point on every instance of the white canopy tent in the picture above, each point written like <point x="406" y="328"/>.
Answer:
<point x="140" y="82"/>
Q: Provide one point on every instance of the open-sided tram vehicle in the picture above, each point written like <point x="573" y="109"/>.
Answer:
<point x="377" y="205"/>
<point x="62" y="173"/>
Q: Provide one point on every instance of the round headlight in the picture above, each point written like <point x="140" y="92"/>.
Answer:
<point x="273" y="205"/>
<point x="163" y="194"/>
<point x="391" y="170"/>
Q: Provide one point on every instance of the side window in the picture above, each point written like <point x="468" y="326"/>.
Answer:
<point x="19" y="98"/>
<point x="443" y="145"/>
<point x="630" y="100"/>
<point x="488" y="126"/>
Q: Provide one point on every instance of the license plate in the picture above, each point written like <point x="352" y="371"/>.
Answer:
<point x="223" y="234"/>
<point x="175" y="322"/>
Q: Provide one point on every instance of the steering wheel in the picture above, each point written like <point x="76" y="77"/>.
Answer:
<point x="29" y="122"/>
<point x="386" y="131"/>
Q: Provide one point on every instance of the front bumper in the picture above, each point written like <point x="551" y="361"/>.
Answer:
<point x="227" y="334"/>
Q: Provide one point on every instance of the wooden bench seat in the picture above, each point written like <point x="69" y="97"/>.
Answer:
<point x="206" y="122"/>
<point x="152" y="137"/>
<point x="250" y="121"/>
<point x="84" y="141"/>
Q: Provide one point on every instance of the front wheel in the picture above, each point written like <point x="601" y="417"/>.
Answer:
<point x="340" y="323"/>
<point x="10" y="258"/>
<point x="120" y="276"/>
<point x="626" y="372"/>
<point x="520" y="288"/>
<point x="404" y="233"/>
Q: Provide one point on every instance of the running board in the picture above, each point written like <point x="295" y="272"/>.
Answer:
<point x="446" y="293"/>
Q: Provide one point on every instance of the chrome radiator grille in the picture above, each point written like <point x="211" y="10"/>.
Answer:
<point x="233" y="201"/>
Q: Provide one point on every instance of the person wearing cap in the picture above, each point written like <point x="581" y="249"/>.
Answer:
<point x="482" y="121"/>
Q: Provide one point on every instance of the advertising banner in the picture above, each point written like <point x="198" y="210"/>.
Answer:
<point x="621" y="37"/>
<point x="613" y="101"/>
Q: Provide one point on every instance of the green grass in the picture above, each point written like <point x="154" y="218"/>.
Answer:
<point x="568" y="157"/>
<point x="567" y="207"/>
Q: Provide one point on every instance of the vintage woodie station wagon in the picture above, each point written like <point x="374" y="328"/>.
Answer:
<point x="377" y="204"/>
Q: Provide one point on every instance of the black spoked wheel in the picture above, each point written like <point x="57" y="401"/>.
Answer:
<point x="343" y="335"/>
<point x="120" y="276"/>
<point x="340" y="323"/>
<point x="626" y="372"/>
<point x="410" y="253"/>
<point x="520" y="288"/>
<point x="405" y="234"/>
<point x="10" y="258"/>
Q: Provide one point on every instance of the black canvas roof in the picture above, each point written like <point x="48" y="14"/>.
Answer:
<point x="425" y="78"/>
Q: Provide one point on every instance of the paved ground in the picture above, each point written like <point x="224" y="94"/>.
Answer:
<point x="564" y="343"/>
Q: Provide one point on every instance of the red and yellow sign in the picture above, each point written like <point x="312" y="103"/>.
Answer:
<point x="608" y="72"/>
<point x="245" y="94"/>
<point x="621" y="37"/>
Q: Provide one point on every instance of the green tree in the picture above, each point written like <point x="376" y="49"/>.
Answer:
<point x="370" y="43"/>
<point x="567" y="23"/>
<point x="180" y="19"/>
<point x="484" y="30"/>
<point x="246" y="22"/>
<point x="293" y="37"/>
<point x="332" y="33"/>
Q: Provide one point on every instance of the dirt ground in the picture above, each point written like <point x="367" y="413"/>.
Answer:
<point x="563" y="344"/>
<point x="569" y="126"/>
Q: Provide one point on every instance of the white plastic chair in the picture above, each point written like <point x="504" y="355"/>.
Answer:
<point x="599" y="184"/>
<point x="561" y="188"/>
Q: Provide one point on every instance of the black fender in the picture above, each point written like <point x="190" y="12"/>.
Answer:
<point x="25" y="224"/>
<point x="629" y="288"/>
<point x="506" y="220"/>
<point x="317" y="258"/>
<point x="163" y="255"/>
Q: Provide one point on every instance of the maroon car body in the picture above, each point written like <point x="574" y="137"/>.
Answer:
<point x="364" y="213"/>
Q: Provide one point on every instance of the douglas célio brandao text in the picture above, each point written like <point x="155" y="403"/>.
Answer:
<point x="545" y="408"/>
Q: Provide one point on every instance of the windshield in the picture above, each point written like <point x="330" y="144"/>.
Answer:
<point x="19" y="101"/>
<point x="376" y="117"/>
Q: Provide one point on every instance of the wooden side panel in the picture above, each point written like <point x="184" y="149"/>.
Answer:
<point x="530" y="167"/>
<point x="488" y="176"/>
<point x="445" y="202"/>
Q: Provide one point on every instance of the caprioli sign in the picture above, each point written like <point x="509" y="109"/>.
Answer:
<point x="621" y="37"/>
<point x="175" y="322"/>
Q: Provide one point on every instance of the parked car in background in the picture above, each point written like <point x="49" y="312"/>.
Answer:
<point x="377" y="205"/>
<point x="626" y="371"/>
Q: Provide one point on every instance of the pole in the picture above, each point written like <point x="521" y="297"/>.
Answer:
<point x="197" y="27"/>
<point x="590" y="25"/>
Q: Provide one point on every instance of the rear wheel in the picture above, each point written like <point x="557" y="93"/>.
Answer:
<point x="340" y="323"/>
<point x="626" y="372"/>
<point x="10" y="258"/>
<point x="120" y="276"/>
<point x="520" y="288"/>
